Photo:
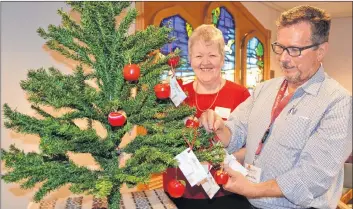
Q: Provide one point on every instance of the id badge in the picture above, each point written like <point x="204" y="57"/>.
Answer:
<point x="254" y="173"/>
<point x="223" y="112"/>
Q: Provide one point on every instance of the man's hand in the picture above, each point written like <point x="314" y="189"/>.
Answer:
<point x="239" y="184"/>
<point x="211" y="121"/>
<point x="214" y="123"/>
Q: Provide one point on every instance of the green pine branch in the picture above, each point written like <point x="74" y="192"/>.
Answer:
<point x="105" y="46"/>
<point x="52" y="173"/>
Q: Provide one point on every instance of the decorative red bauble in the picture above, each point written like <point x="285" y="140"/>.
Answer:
<point x="173" y="61"/>
<point x="191" y="123"/>
<point x="162" y="90"/>
<point x="176" y="188"/>
<point x="221" y="177"/>
<point x="131" y="72"/>
<point x="117" y="118"/>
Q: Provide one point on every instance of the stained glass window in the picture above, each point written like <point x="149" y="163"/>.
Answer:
<point x="181" y="31"/>
<point x="254" y="62"/>
<point x="224" y="21"/>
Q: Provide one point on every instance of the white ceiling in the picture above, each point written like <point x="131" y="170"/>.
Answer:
<point x="336" y="9"/>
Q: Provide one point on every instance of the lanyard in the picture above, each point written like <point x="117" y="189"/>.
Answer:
<point x="277" y="107"/>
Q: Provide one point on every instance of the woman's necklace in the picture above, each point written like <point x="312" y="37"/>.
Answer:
<point x="197" y="105"/>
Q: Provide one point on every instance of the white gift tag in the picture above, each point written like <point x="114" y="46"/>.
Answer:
<point x="223" y="112"/>
<point x="234" y="164"/>
<point x="177" y="95"/>
<point x="209" y="185"/>
<point x="191" y="167"/>
<point x="254" y="173"/>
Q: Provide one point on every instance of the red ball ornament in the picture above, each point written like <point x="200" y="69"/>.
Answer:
<point x="173" y="61"/>
<point x="176" y="188"/>
<point x="221" y="177"/>
<point x="117" y="118"/>
<point x="192" y="123"/>
<point x="131" y="72"/>
<point x="162" y="90"/>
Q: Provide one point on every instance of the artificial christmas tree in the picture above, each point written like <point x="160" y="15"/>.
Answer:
<point x="101" y="44"/>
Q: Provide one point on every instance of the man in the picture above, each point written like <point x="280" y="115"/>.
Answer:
<point x="297" y="128"/>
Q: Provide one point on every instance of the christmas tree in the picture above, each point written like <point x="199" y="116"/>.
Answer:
<point x="120" y="63"/>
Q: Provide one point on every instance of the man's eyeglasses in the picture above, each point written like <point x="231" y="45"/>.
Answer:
<point x="292" y="50"/>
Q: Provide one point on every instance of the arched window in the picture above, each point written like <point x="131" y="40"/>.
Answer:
<point x="181" y="31"/>
<point x="254" y="62"/>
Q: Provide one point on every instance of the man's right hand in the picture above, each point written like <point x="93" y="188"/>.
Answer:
<point x="214" y="123"/>
<point x="211" y="121"/>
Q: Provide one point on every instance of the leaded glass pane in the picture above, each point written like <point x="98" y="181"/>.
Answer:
<point x="254" y="62"/>
<point x="181" y="31"/>
<point x="224" y="21"/>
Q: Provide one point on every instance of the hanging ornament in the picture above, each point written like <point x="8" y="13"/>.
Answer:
<point x="117" y="118"/>
<point x="192" y="123"/>
<point x="221" y="177"/>
<point x="173" y="61"/>
<point x="162" y="90"/>
<point x="176" y="188"/>
<point x="131" y="72"/>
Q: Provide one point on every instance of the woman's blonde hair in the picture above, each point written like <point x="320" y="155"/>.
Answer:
<point x="207" y="33"/>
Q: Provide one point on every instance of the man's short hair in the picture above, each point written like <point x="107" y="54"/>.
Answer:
<point x="319" y="20"/>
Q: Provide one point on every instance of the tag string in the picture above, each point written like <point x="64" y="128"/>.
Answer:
<point x="191" y="145"/>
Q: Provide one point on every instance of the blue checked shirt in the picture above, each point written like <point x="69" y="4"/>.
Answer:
<point x="307" y="145"/>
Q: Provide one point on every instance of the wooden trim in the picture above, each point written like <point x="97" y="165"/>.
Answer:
<point x="265" y="42"/>
<point x="216" y="4"/>
<point x="245" y="12"/>
<point x="267" y="56"/>
<point x="243" y="53"/>
<point x="347" y="196"/>
<point x="140" y="20"/>
<point x="238" y="57"/>
<point x="175" y="10"/>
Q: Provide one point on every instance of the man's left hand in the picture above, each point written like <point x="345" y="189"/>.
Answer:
<point x="239" y="184"/>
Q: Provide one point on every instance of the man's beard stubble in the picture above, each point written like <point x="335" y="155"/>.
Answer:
<point x="292" y="79"/>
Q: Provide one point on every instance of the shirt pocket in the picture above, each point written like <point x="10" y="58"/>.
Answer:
<point x="294" y="132"/>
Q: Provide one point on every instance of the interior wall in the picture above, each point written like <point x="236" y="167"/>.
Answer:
<point x="338" y="60"/>
<point x="22" y="49"/>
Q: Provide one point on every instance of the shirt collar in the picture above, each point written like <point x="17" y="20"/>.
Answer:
<point x="313" y="85"/>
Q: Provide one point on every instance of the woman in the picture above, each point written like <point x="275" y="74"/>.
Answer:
<point x="208" y="91"/>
